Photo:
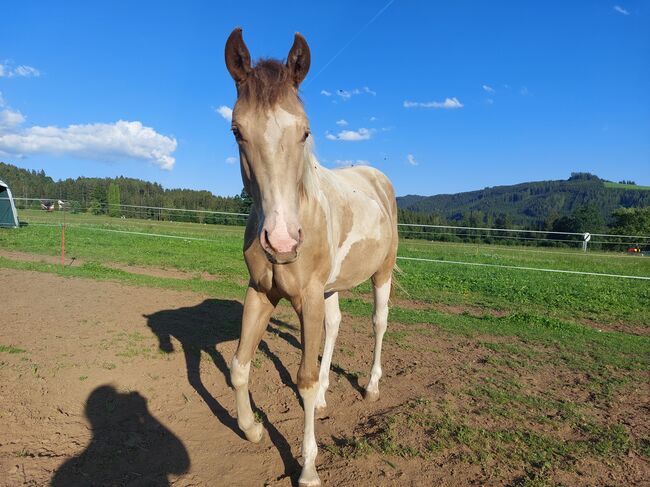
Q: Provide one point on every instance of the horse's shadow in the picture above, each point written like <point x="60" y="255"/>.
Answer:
<point x="128" y="447"/>
<point x="200" y="329"/>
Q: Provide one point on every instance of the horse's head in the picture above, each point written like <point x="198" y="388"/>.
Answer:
<point x="271" y="129"/>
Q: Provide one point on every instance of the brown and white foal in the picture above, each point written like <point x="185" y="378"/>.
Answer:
<point x="311" y="233"/>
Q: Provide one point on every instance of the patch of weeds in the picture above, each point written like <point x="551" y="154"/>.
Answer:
<point x="349" y="447"/>
<point x="644" y="447"/>
<point x="11" y="349"/>
<point x="345" y="351"/>
<point x="606" y="440"/>
<point x="108" y="365"/>
<point x="134" y="346"/>
<point x="257" y="361"/>
<point x="418" y="429"/>
<point x="23" y="453"/>
<point x="398" y="337"/>
<point x="83" y="377"/>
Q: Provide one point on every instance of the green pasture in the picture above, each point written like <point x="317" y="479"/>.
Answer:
<point x="524" y="320"/>
<point x="216" y="250"/>
<point x="609" y="184"/>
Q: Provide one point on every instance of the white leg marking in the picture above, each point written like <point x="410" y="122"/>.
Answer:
<point x="309" y="476"/>
<point x="245" y="419"/>
<point x="380" y="322"/>
<point x="332" y="321"/>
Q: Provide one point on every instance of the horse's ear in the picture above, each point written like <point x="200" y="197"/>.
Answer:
<point x="298" y="59"/>
<point x="238" y="59"/>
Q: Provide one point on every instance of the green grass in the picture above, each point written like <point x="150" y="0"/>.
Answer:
<point x="10" y="349"/>
<point x="569" y="297"/>
<point x="625" y="186"/>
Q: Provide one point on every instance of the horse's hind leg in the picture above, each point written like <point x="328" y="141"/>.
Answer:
<point x="381" y="289"/>
<point x="257" y="311"/>
<point x="332" y="321"/>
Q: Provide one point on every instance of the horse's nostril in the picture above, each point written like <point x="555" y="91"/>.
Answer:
<point x="301" y="236"/>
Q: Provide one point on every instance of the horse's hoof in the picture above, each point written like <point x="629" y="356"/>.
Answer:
<point x="371" y="396"/>
<point x="309" y="482"/>
<point x="254" y="433"/>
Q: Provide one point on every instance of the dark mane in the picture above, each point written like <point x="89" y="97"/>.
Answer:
<point x="267" y="83"/>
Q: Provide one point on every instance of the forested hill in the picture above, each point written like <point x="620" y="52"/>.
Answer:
<point x="532" y="205"/>
<point x="584" y="202"/>
<point x="87" y="192"/>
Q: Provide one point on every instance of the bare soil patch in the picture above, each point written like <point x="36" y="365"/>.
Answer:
<point x="133" y="269"/>
<point x="108" y="384"/>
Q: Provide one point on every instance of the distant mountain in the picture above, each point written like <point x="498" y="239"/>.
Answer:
<point x="532" y="205"/>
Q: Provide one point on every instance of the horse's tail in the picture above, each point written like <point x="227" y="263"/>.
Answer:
<point x="394" y="283"/>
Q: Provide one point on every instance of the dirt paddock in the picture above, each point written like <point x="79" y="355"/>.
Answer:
<point x="108" y="384"/>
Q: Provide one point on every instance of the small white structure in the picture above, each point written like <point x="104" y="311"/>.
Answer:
<point x="585" y="241"/>
<point x="8" y="215"/>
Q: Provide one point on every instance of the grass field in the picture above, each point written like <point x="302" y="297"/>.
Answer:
<point x="537" y="328"/>
<point x="609" y="184"/>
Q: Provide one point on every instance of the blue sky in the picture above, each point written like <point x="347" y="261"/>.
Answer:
<point x="441" y="96"/>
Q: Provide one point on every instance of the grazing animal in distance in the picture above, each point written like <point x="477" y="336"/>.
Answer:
<point x="311" y="233"/>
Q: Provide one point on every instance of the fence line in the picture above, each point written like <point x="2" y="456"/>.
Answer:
<point x="502" y="266"/>
<point x="496" y="247"/>
<point x="417" y="259"/>
<point x="457" y="230"/>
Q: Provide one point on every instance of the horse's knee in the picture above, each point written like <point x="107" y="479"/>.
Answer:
<point x="307" y="381"/>
<point x="239" y="372"/>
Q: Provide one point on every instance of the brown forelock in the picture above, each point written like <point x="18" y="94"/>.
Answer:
<point x="268" y="82"/>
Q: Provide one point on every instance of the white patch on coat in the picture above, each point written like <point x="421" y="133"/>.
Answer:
<point x="239" y="372"/>
<point x="279" y="120"/>
<point x="366" y="224"/>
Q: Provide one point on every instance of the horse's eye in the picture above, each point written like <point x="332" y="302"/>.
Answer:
<point x="304" y="137"/>
<point x="237" y="134"/>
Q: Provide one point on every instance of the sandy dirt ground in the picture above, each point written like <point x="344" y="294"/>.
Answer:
<point x="117" y="385"/>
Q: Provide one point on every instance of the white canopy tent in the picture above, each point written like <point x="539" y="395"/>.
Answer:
<point x="8" y="215"/>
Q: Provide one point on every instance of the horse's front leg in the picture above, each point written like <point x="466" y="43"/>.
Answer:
<point x="311" y="310"/>
<point x="258" y="307"/>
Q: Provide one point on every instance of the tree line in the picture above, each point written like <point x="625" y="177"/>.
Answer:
<point x="491" y="208"/>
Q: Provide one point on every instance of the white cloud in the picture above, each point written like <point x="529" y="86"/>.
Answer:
<point x="351" y="162"/>
<point x="373" y="119"/>
<point x="24" y="71"/>
<point x="225" y="112"/>
<point x="347" y="94"/>
<point x="489" y="101"/>
<point x="27" y="71"/>
<point x="449" y="103"/>
<point x="2" y="100"/>
<point x="342" y="122"/>
<point x="524" y="91"/>
<point x="10" y="119"/>
<point x="621" y="10"/>
<point x="411" y="160"/>
<point x="351" y="135"/>
<point x="231" y="160"/>
<point x="103" y="142"/>
<point x="488" y="89"/>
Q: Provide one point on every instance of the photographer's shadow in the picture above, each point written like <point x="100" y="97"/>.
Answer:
<point x="200" y="329"/>
<point x="129" y="446"/>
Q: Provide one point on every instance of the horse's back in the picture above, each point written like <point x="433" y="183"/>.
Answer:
<point x="374" y="183"/>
